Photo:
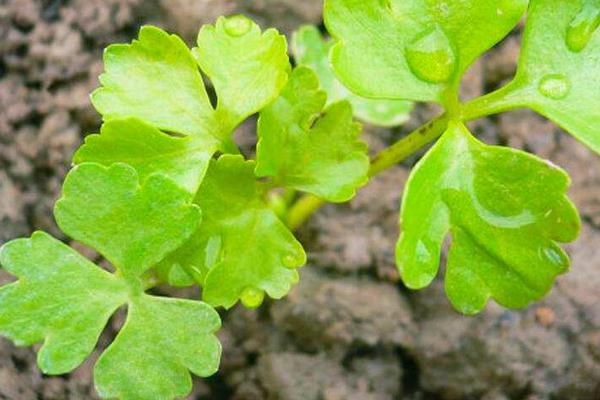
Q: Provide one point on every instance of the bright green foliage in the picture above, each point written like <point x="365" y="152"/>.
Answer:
<point x="147" y="149"/>
<point x="309" y="148"/>
<point x="241" y="246"/>
<point x="247" y="68"/>
<point x="414" y="49"/>
<point x="61" y="298"/>
<point x="133" y="226"/>
<point x="156" y="79"/>
<point x="158" y="167"/>
<point x="65" y="300"/>
<point x="559" y="69"/>
<point x="170" y="270"/>
<point x="312" y="50"/>
<point x="161" y="340"/>
<point x="505" y="209"/>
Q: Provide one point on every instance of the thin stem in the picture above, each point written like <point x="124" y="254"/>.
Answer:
<point x="304" y="207"/>
<point x="506" y="98"/>
<point x="408" y="145"/>
<point x="503" y="99"/>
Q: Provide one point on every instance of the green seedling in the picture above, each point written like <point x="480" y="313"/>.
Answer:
<point x="164" y="194"/>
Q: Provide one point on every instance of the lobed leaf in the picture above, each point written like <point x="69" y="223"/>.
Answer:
<point x="414" y="49"/>
<point x="156" y="79"/>
<point x="306" y="147"/>
<point x="559" y="69"/>
<point x="61" y="298"/>
<point x="171" y="272"/>
<point x="505" y="210"/>
<point x="247" y="68"/>
<point x="149" y="151"/>
<point x="133" y="226"/>
<point x="242" y="249"/>
<point x="65" y="301"/>
<point x="162" y="340"/>
<point x="312" y="50"/>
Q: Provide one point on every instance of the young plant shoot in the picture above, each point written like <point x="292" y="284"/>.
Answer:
<point x="165" y="196"/>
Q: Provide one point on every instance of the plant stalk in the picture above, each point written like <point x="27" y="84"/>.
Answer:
<point x="308" y="204"/>
<point x="503" y="99"/>
<point x="506" y="98"/>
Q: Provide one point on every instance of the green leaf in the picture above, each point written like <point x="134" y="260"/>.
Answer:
<point x="133" y="226"/>
<point x="312" y="50"/>
<point x="156" y="79"/>
<point x="414" y="49"/>
<point x="61" y="298"/>
<point x="305" y="147"/>
<point x="172" y="273"/>
<point x="505" y="210"/>
<point x="248" y="69"/>
<point x="161" y="340"/>
<point x="149" y="151"/>
<point x="559" y="69"/>
<point x="241" y="248"/>
<point x="65" y="300"/>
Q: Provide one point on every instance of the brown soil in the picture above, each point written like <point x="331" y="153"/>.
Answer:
<point x="349" y="330"/>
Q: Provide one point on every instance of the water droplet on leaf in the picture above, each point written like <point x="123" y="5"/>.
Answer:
<point x="252" y="297"/>
<point x="554" y="86"/>
<point x="238" y="25"/>
<point x="430" y="56"/>
<point x="582" y="27"/>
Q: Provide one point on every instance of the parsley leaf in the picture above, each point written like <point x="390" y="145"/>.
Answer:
<point x="162" y="339"/>
<point x="312" y="50"/>
<point x="505" y="210"/>
<point x="133" y="226"/>
<point x="248" y="69"/>
<point x="157" y="80"/>
<point x="242" y="249"/>
<point x="306" y="150"/>
<point x="173" y="273"/>
<point x="413" y="49"/>
<point x="60" y="297"/>
<point x="149" y="151"/>
<point x="559" y="70"/>
<point x="66" y="300"/>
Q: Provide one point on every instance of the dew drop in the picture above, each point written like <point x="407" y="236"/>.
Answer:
<point x="430" y="56"/>
<point x="555" y="86"/>
<point x="252" y="297"/>
<point x="290" y="261"/>
<point x="582" y="27"/>
<point x="237" y="25"/>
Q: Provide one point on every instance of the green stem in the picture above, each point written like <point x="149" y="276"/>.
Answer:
<point x="504" y="99"/>
<point x="408" y="145"/>
<point x="304" y="207"/>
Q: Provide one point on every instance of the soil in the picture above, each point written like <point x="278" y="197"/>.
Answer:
<point x="349" y="330"/>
